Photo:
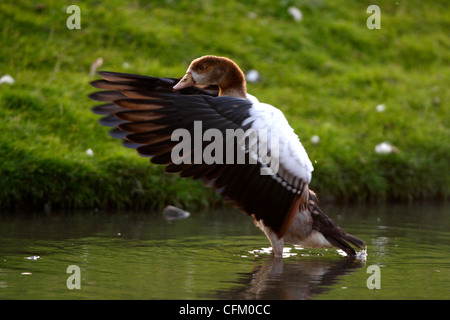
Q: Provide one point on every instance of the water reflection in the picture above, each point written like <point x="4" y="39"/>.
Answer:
<point x="211" y="255"/>
<point x="276" y="278"/>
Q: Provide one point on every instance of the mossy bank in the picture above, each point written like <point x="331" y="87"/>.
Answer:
<point x="349" y="87"/>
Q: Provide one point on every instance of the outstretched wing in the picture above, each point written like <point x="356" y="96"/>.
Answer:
<point x="153" y="119"/>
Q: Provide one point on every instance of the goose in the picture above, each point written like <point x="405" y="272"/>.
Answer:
<point x="272" y="187"/>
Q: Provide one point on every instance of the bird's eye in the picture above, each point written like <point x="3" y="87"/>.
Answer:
<point x="202" y="67"/>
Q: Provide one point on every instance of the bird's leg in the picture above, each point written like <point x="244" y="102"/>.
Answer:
<point x="276" y="243"/>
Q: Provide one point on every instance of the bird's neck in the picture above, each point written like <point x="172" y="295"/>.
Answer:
<point x="237" y="92"/>
<point x="233" y="82"/>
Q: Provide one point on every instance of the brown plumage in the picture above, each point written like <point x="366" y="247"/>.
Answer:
<point x="146" y="111"/>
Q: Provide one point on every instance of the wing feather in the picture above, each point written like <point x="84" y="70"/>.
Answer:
<point x="145" y="112"/>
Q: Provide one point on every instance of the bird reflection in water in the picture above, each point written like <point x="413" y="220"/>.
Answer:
<point x="290" y="279"/>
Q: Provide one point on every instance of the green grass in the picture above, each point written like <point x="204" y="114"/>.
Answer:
<point x="326" y="73"/>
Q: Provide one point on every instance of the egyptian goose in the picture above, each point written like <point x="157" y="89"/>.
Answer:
<point x="147" y="111"/>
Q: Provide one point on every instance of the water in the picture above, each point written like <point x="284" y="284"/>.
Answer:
<point x="220" y="255"/>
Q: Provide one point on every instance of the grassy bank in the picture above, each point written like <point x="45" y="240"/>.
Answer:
<point x="327" y="73"/>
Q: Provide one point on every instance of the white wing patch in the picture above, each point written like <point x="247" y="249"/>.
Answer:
<point x="269" y="122"/>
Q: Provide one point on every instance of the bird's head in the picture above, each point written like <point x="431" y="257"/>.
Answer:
<point x="213" y="70"/>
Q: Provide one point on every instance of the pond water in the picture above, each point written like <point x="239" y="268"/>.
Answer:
<point x="220" y="255"/>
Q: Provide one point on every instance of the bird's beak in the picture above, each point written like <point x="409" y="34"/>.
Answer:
<point x="186" y="81"/>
